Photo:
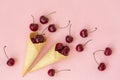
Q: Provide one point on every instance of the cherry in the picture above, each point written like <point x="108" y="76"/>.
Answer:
<point x="69" y="38"/>
<point x="64" y="50"/>
<point x="84" y="32"/>
<point x="52" y="28"/>
<point x="33" y="40"/>
<point x="80" y="47"/>
<point x="10" y="61"/>
<point x="59" y="46"/>
<point x="39" y="38"/>
<point x="44" y="19"/>
<point x="51" y="72"/>
<point x="108" y="51"/>
<point x="101" y="67"/>
<point x="34" y="26"/>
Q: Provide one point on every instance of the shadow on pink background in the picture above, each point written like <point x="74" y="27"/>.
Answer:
<point x="104" y="14"/>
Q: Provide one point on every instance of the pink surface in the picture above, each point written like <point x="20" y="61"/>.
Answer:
<point x="104" y="14"/>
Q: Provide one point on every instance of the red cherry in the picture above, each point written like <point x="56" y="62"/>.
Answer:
<point x="44" y="19"/>
<point x="102" y="67"/>
<point x="34" y="26"/>
<point x="80" y="47"/>
<point x="39" y="39"/>
<point x="51" y="72"/>
<point x="69" y="39"/>
<point x="108" y="51"/>
<point x="84" y="32"/>
<point x="10" y="61"/>
<point x="52" y="28"/>
<point x="65" y="51"/>
<point x="33" y="40"/>
<point x="59" y="47"/>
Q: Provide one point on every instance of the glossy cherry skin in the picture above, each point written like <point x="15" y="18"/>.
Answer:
<point x="52" y="28"/>
<point x="34" y="27"/>
<point x="79" y="48"/>
<point x="51" y="72"/>
<point x="65" y="51"/>
<point x="84" y="33"/>
<point x="33" y="40"/>
<point x="59" y="46"/>
<point x="39" y="39"/>
<point x="10" y="62"/>
<point x="108" y="51"/>
<point x="44" y="19"/>
<point x="69" y="39"/>
<point x="101" y="67"/>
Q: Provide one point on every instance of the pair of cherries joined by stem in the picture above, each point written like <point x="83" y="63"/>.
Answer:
<point x="10" y="61"/>
<point x="102" y="65"/>
<point x="52" y="72"/>
<point x="64" y="50"/>
<point x="43" y="20"/>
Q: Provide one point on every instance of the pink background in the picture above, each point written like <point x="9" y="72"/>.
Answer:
<point x="104" y="14"/>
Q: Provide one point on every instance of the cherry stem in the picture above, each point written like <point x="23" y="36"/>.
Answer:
<point x="70" y="29"/>
<point x="51" y="13"/>
<point x="33" y="18"/>
<point x="65" y="26"/>
<point x="64" y="70"/>
<point x="5" y="51"/>
<point x="44" y="30"/>
<point x="87" y="42"/>
<point x="93" y="30"/>
<point x="95" y="57"/>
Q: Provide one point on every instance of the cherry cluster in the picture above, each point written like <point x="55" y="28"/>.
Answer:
<point x="63" y="49"/>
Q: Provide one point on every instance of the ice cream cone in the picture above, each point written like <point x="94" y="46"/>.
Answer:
<point x="49" y="58"/>
<point x="33" y="50"/>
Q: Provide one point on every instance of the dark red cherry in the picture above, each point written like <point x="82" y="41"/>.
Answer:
<point x="51" y="72"/>
<point x="52" y="28"/>
<point x="44" y="19"/>
<point x="84" y="33"/>
<point x="79" y="48"/>
<point x="10" y="62"/>
<point x="59" y="46"/>
<point x="33" y="40"/>
<point x="108" y="51"/>
<point x="65" y="51"/>
<point x="39" y="38"/>
<point x="102" y="67"/>
<point x="69" y="39"/>
<point x="34" y="27"/>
